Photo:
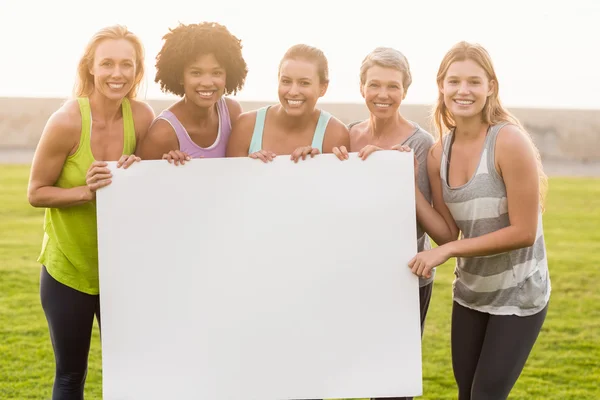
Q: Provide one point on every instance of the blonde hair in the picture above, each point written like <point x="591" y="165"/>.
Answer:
<point x="84" y="85"/>
<point x="387" y="57"/>
<point x="493" y="112"/>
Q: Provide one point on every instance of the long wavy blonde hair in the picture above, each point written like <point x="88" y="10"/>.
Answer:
<point x="493" y="112"/>
<point x="84" y="84"/>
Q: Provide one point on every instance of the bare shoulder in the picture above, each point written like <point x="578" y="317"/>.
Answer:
<point x="513" y="149"/>
<point x="358" y="128"/>
<point x="336" y="129"/>
<point x="434" y="157"/>
<point x="234" y="107"/>
<point x="510" y="137"/>
<point x="336" y="135"/>
<point x="160" y="127"/>
<point x="66" y="121"/>
<point x="246" y="120"/>
<point x="142" y="112"/>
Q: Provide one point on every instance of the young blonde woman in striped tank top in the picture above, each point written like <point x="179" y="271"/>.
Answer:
<point x="103" y="123"/>
<point x="202" y="63"/>
<point x="487" y="181"/>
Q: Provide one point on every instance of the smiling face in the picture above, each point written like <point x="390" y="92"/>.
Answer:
<point x="114" y="68"/>
<point x="299" y="86"/>
<point x="466" y="88"/>
<point x="383" y="91"/>
<point x="204" y="81"/>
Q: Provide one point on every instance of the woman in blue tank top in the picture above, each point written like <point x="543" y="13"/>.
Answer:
<point x="295" y="126"/>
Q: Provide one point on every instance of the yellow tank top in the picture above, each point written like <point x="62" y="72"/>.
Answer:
<point x="70" y="246"/>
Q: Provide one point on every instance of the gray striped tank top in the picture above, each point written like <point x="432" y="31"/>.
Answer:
<point x="511" y="283"/>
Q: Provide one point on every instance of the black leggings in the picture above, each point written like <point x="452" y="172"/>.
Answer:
<point x="70" y="316"/>
<point x="490" y="351"/>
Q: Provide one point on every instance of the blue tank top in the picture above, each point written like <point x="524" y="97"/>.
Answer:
<point x="259" y="127"/>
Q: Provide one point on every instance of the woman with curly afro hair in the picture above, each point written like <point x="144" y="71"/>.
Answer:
<point x="201" y="63"/>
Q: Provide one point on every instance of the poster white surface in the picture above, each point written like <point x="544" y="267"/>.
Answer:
<point x="234" y="279"/>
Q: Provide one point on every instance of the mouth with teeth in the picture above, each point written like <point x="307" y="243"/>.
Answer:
<point x="116" y="86"/>
<point x="206" y="94"/>
<point x="382" y="105"/>
<point x="295" y="103"/>
<point x="464" y="102"/>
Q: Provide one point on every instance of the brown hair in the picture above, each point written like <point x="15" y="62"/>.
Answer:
<point x="309" y="53"/>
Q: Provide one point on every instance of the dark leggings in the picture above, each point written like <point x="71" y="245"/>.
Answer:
<point x="424" y="298"/>
<point x="489" y="351"/>
<point x="70" y="316"/>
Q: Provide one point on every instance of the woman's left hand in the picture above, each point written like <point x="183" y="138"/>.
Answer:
<point x="302" y="152"/>
<point x="425" y="261"/>
<point x="126" y="160"/>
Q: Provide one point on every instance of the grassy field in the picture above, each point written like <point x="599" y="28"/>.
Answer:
<point x="564" y="363"/>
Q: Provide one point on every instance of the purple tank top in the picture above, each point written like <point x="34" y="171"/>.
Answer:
<point x="187" y="145"/>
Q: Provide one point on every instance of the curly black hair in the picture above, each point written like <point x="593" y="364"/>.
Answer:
<point x="183" y="44"/>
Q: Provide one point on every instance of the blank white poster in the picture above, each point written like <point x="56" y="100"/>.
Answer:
<point x="231" y="279"/>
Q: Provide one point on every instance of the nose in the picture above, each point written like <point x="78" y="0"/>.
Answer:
<point x="463" y="88"/>
<point x="382" y="93"/>
<point x="293" y="89"/>
<point x="206" y="80"/>
<point x="117" y="71"/>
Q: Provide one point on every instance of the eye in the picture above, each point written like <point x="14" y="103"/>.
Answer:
<point x="305" y="83"/>
<point x="106" y="64"/>
<point x="373" y="85"/>
<point x="453" y="81"/>
<point x="217" y="73"/>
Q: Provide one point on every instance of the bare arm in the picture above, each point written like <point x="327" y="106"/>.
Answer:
<point x="59" y="139"/>
<point x="517" y="165"/>
<point x="159" y="140"/>
<point x="336" y="135"/>
<point x="143" y="115"/>
<point x="437" y="221"/>
<point x="235" y="109"/>
<point x="241" y="135"/>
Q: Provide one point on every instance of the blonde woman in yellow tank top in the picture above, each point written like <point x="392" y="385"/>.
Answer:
<point x="103" y="123"/>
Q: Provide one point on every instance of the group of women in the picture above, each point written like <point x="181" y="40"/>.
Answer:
<point x="468" y="181"/>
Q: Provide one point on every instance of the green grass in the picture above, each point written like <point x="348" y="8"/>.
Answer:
<point x="564" y="363"/>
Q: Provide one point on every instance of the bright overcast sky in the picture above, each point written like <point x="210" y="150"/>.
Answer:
<point x="545" y="52"/>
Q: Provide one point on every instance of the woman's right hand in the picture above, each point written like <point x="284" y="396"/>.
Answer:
<point x="97" y="177"/>
<point x="341" y="152"/>
<point x="264" y="155"/>
<point x="177" y="157"/>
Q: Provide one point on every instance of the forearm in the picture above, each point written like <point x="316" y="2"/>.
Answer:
<point x="431" y="221"/>
<point x="500" y="241"/>
<point x="55" y="197"/>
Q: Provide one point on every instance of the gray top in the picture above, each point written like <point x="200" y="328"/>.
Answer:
<point x="516" y="282"/>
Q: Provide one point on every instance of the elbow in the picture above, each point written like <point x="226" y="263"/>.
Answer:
<point x="33" y="198"/>
<point x="526" y="237"/>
